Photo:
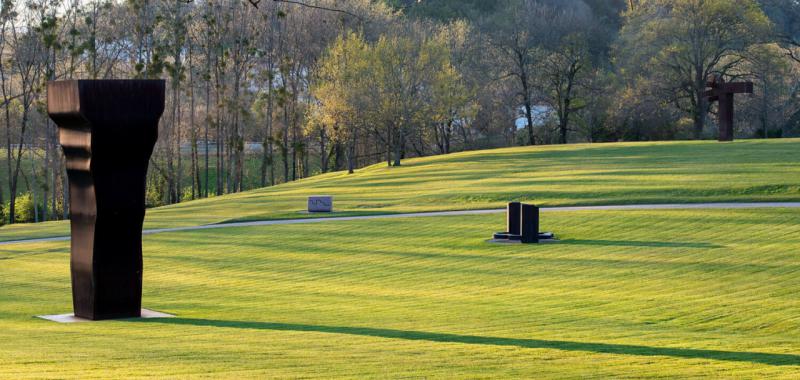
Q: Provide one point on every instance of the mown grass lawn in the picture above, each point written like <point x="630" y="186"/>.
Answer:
<point x="588" y="174"/>
<point x="679" y="294"/>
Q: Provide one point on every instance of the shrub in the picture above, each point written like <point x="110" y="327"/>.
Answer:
<point x="155" y="192"/>
<point x="24" y="210"/>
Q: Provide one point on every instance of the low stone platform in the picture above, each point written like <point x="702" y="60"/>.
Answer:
<point x="71" y="318"/>
<point x="506" y="241"/>
<point x="516" y="237"/>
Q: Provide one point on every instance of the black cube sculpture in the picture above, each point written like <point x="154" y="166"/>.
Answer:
<point x="108" y="129"/>
<point x="522" y="221"/>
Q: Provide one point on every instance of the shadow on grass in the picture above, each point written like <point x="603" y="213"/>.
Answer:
<point x="603" y="348"/>
<point x="633" y="243"/>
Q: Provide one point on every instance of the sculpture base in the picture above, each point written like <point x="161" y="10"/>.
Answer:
<point x="71" y="318"/>
<point x="506" y="241"/>
<point x="515" y="237"/>
<point x="509" y="238"/>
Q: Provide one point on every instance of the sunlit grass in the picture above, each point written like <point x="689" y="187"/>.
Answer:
<point x="677" y="294"/>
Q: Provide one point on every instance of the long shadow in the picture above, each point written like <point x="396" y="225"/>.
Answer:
<point x="604" y="348"/>
<point x="634" y="243"/>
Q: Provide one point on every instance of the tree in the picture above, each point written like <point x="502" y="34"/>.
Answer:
<point x="28" y="57"/>
<point x="521" y="31"/>
<point x="342" y="92"/>
<point x="769" y="67"/>
<point x="563" y="69"/>
<point x="677" y="44"/>
<point x="785" y="14"/>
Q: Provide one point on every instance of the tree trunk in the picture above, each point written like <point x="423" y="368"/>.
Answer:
<point x="238" y="152"/>
<point x="699" y="102"/>
<point x="398" y="146"/>
<point x="193" y="128"/>
<point x="698" y="120"/>
<point x="266" y="155"/>
<point x="179" y="157"/>
<point x="351" y="152"/>
<point x="285" y="148"/>
<point x="389" y="144"/>
<point x="220" y="174"/>
<point x="323" y="156"/>
<point x="564" y="122"/>
<point x="528" y="106"/>
<point x="6" y="104"/>
<point x="448" y="133"/>
<point x="14" y="178"/>
<point x="207" y="124"/>
<point x="46" y="170"/>
<point x="170" y="135"/>
<point x="33" y="184"/>
<point x="65" y="194"/>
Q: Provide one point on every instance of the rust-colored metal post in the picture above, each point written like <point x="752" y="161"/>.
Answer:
<point x="723" y="92"/>
<point x="108" y="129"/>
<point x="726" y="117"/>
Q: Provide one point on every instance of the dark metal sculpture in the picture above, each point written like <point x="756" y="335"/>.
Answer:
<point x="107" y="129"/>
<point x="723" y="92"/>
<point x="529" y="224"/>
<point x="522" y="221"/>
<point x="513" y="218"/>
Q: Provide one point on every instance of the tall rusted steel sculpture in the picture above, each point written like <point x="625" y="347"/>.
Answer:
<point x="723" y="92"/>
<point x="107" y="129"/>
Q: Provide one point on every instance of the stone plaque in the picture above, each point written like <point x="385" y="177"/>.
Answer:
<point x="320" y="203"/>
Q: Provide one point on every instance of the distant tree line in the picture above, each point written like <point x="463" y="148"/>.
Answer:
<point x="267" y="92"/>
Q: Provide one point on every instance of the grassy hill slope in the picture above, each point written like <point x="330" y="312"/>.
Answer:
<point x="587" y="174"/>
<point x="644" y="294"/>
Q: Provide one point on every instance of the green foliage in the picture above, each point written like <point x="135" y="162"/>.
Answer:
<point x="670" y="47"/>
<point x="24" y="208"/>
<point x="392" y="85"/>
<point x="156" y="192"/>
<point x="186" y="194"/>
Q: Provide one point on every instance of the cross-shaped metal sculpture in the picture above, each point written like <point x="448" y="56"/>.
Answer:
<point x="723" y="92"/>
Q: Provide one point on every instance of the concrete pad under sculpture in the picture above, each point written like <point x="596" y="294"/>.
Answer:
<point x="71" y="318"/>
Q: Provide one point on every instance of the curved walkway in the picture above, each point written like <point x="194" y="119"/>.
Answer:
<point x="702" y="206"/>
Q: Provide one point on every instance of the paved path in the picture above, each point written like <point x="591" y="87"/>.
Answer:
<point x="692" y="206"/>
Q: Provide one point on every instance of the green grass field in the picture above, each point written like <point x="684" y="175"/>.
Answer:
<point x="626" y="294"/>
<point x="589" y="174"/>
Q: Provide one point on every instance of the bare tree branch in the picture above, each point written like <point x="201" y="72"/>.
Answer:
<point x="256" y="2"/>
